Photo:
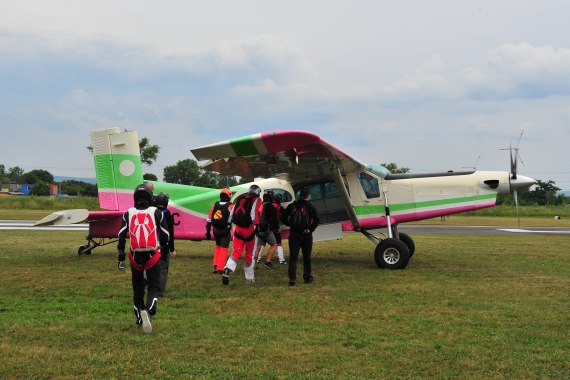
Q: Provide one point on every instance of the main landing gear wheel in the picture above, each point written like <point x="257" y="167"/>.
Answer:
<point x="408" y="241"/>
<point x="392" y="254"/>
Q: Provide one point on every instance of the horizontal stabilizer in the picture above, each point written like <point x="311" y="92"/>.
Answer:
<point x="61" y="218"/>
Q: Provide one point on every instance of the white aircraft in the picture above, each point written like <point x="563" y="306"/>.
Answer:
<point x="348" y="194"/>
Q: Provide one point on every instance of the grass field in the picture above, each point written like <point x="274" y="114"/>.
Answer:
<point x="466" y="307"/>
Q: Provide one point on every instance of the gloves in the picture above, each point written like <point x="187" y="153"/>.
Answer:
<point x="208" y="234"/>
<point x="121" y="260"/>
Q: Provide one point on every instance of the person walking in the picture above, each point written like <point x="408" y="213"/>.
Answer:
<point x="142" y="224"/>
<point x="265" y="224"/>
<point x="302" y="219"/>
<point x="277" y="198"/>
<point x="218" y="219"/>
<point x="243" y="215"/>
<point x="161" y="203"/>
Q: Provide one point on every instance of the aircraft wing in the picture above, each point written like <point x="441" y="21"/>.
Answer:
<point x="290" y="155"/>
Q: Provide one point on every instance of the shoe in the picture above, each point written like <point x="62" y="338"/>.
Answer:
<point x="268" y="265"/>
<point x="291" y="282"/>
<point x="283" y="262"/>
<point x="249" y="282"/>
<point x="215" y="271"/>
<point x="146" y="325"/>
<point x="226" y="277"/>
<point x="309" y="280"/>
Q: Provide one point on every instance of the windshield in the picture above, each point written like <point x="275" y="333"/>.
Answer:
<point x="380" y="171"/>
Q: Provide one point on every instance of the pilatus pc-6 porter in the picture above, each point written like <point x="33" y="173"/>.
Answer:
<point x="348" y="194"/>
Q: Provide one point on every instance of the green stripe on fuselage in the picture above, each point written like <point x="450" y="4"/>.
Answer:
<point x="244" y="146"/>
<point x="379" y="209"/>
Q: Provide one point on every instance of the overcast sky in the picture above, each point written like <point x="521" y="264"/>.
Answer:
<point x="429" y="85"/>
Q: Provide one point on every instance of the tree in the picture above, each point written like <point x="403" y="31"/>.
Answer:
<point x="73" y="187"/>
<point x="148" y="152"/>
<point x="15" y="174"/>
<point x="544" y="193"/>
<point x="2" y="172"/>
<point x="37" y="175"/>
<point x="187" y="172"/>
<point x="40" y="188"/>
<point x="394" y="169"/>
<point x="150" y="177"/>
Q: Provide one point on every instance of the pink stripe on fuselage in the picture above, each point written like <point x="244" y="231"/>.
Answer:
<point x="380" y="222"/>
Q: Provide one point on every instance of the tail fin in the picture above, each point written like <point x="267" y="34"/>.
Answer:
<point x="118" y="167"/>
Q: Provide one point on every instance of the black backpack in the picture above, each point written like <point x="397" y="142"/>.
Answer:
<point x="268" y="217"/>
<point x="299" y="218"/>
<point x="242" y="211"/>
<point x="220" y="215"/>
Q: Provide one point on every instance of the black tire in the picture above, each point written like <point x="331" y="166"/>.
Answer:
<point x="392" y="254"/>
<point x="408" y="241"/>
<point x="84" y="250"/>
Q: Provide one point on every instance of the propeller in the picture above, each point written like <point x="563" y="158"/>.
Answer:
<point x="514" y="165"/>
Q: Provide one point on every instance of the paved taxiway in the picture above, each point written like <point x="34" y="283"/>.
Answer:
<point x="407" y="228"/>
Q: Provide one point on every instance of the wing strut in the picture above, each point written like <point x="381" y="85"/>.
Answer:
<point x="345" y="196"/>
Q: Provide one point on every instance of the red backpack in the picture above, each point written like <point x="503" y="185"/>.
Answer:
<point x="143" y="230"/>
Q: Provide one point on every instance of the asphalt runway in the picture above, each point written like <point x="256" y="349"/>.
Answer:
<point x="407" y="228"/>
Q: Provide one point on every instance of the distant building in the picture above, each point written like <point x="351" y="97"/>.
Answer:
<point x="24" y="189"/>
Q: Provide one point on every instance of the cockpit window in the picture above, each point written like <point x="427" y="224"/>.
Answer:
<point x="380" y="171"/>
<point x="286" y="196"/>
<point x="369" y="185"/>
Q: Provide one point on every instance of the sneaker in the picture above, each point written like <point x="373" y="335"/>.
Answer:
<point x="283" y="262"/>
<point x="226" y="277"/>
<point x="268" y="265"/>
<point x="215" y="271"/>
<point x="291" y="282"/>
<point x="146" y="325"/>
<point x="249" y="282"/>
<point x="309" y="280"/>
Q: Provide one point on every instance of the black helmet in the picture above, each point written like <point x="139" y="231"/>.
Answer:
<point x="278" y="198"/>
<point x="268" y="195"/>
<point x="143" y="193"/>
<point x="304" y="192"/>
<point x="254" y="190"/>
<point x="161" y="199"/>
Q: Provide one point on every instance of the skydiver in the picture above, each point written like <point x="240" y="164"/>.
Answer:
<point x="161" y="203"/>
<point x="218" y="218"/>
<point x="142" y="223"/>
<point x="243" y="215"/>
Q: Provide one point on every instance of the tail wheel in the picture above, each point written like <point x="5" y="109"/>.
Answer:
<point x="84" y="250"/>
<point x="392" y="254"/>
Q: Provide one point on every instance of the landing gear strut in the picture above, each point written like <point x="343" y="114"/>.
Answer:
<point x="92" y="244"/>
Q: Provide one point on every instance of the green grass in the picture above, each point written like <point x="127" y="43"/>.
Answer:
<point x="466" y="307"/>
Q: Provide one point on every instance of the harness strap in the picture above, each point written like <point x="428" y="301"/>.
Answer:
<point x="148" y="264"/>
<point x="241" y="237"/>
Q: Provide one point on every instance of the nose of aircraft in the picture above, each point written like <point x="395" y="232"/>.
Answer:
<point x="521" y="182"/>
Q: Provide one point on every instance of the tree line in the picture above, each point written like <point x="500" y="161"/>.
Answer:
<point x="188" y="172"/>
<point x="41" y="179"/>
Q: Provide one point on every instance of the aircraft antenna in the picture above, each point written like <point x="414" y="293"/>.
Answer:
<point x="475" y="166"/>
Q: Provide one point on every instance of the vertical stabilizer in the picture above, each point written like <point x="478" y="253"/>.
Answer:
<point x="118" y="167"/>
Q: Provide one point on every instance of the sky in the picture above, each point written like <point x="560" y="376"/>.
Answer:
<point x="429" y="85"/>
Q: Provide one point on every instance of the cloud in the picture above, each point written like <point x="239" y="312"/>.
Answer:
<point x="515" y="71"/>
